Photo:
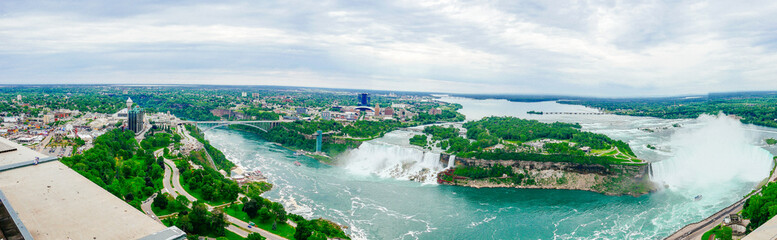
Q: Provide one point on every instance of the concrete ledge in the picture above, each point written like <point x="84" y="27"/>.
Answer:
<point x="26" y="163"/>
<point x="15" y="216"/>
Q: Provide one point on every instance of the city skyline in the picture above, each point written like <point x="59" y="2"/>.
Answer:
<point x="581" y="49"/>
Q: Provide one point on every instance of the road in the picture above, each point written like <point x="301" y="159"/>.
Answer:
<point x="42" y="145"/>
<point x="237" y="230"/>
<point x="166" y="182"/>
<point x="146" y="206"/>
<point x="166" y="179"/>
<point x="264" y="233"/>
<point x="696" y="230"/>
<point x="172" y="173"/>
<point x="177" y="187"/>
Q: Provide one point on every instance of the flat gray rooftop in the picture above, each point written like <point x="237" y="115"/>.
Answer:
<point x="55" y="202"/>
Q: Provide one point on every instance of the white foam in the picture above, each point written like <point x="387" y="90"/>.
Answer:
<point x="393" y="161"/>
<point x="713" y="156"/>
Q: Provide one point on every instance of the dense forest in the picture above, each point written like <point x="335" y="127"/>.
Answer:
<point x="439" y="132"/>
<point x="199" y="221"/>
<point x="522" y="130"/>
<point x="371" y="129"/>
<point x="512" y="132"/>
<point x="418" y="140"/>
<point x="761" y="207"/>
<point x="755" y="108"/>
<point x="118" y="165"/>
<point x="211" y="185"/>
<point x="55" y="98"/>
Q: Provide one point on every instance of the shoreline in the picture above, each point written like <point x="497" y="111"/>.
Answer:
<point x="716" y="218"/>
<point x="547" y="188"/>
<point x="611" y="180"/>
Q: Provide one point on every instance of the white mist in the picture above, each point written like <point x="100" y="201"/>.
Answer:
<point x="714" y="156"/>
<point x="393" y="161"/>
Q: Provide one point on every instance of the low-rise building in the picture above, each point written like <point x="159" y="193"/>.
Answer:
<point x="11" y="119"/>
<point x="48" y="118"/>
<point x="388" y="111"/>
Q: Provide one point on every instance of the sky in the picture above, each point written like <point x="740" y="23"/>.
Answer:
<point x="582" y="48"/>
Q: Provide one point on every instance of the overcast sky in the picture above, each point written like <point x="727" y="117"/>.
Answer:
<point x="588" y="48"/>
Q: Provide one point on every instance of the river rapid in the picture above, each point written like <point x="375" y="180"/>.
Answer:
<point x="385" y="189"/>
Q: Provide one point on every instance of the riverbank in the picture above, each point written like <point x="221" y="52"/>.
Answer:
<point x="631" y="179"/>
<point x="697" y="229"/>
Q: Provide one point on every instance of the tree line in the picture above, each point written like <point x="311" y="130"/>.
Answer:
<point x="117" y="164"/>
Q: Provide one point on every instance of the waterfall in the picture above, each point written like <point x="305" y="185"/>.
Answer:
<point x="393" y="161"/>
<point x="715" y="156"/>
<point x="451" y="161"/>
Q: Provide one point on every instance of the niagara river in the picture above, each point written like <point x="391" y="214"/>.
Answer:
<point x="385" y="188"/>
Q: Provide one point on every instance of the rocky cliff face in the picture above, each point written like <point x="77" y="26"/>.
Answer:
<point x="607" y="179"/>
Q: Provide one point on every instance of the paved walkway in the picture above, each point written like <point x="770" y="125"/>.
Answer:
<point x="696" y="230"/>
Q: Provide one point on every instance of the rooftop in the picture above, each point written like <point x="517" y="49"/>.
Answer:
<point x="54" y="202"/>
<point x="766" y="231"/>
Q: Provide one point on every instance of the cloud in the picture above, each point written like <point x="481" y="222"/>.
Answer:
<point x="581" y="48"/>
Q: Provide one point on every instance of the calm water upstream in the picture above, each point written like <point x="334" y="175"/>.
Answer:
<point x="369" y="191"/>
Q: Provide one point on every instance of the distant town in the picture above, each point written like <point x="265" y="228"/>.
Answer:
<point x="63" y="132"/>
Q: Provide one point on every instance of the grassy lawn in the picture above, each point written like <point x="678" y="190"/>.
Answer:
<point x="283" y="230"/>
<point x="603" y="152"/>
<point x="229" y="235"/>
<point x="233" y="236"/>
<point x="719" y="232"/>
<point x="616" y="153"/>
<point x="163" y="212"/>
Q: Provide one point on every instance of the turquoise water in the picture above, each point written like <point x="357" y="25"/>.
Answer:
<point x="374" y="206"/>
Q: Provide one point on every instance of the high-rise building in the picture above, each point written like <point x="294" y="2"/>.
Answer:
<point x="129" y="104"/>
<point x="19" y="98"/>
<point x="364" y="99"/>
<point x="326" y="115"/>
<point x="244" y="94"/>
<point x="135" y="119"/>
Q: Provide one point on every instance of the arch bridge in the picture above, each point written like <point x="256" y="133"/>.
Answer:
<point x="210" y="125"/>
